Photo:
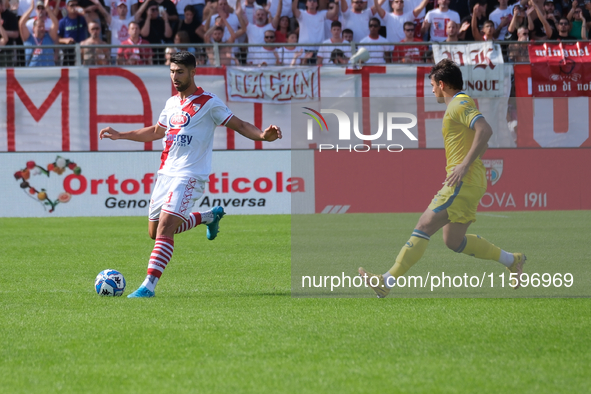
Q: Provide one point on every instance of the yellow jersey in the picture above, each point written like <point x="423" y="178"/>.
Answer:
<point x="458" y="135"/>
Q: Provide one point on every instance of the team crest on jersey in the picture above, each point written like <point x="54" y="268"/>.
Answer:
<point x="180" y="119"/>
<point x="494" y="170"/>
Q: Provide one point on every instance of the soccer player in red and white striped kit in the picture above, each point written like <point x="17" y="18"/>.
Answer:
<point x="187" y="125"/>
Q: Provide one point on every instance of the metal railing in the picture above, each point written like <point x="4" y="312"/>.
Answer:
<point x="215" y="55"/>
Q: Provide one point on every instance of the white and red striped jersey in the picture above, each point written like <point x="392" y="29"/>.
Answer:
<point x="188" y="142"/>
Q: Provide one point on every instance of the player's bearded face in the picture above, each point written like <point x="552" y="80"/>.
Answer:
<point x="181" y="77"/>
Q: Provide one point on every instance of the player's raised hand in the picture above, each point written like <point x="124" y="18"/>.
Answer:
<point x="109" y="133"/>
<point x="272" y="133"/>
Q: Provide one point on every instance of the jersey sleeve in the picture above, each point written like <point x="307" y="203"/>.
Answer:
<point x="220" y="113"/>
<point x="163" y="118"/>
<point x="464" y="111"/>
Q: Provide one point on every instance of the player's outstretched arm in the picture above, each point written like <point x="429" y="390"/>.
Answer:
<point x="483" y="132"/>
<point x="252" y="132"/>
<point x="147" y="134"/>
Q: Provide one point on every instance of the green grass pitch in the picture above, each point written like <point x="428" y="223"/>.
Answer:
<point x="224" y="320"/>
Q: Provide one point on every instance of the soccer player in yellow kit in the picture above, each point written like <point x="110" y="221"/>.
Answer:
<point x="465" y="135"/>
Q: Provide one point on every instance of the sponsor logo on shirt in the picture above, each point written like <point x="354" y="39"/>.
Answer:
<point x="180" y="119"/>
<point x="179" y="139"/>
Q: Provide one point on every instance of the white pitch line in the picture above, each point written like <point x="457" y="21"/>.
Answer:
<point x="493" y="215"/>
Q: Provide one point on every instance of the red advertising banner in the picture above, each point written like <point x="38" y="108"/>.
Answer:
<point x="518" y="180"/>
<point x="561" y="70"/>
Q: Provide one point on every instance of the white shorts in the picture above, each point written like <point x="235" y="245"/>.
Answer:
<point x="175" y="196"/>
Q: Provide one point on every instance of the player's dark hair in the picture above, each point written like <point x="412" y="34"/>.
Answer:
<point x="184" y="58"/>
<point x="448" y="72"/>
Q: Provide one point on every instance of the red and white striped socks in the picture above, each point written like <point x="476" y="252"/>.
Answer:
<point x="159" y="259"/>
<point x="194" y="220"/>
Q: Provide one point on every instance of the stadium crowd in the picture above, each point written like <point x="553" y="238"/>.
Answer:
<point x="200" y="26"/>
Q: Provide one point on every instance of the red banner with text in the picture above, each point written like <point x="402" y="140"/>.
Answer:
<point x="561" y="70"/>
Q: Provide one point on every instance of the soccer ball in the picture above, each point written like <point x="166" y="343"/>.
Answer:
<point x="109" y="283"/>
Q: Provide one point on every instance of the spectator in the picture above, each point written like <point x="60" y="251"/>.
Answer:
<point x="338" y="57"/>
<point x="156" y="29"/>
<point x="395" y="20"/>
<point x="283" y="30"/>
<point x="182" y="43"/>
<point x="488" y="28"/>
<point x="356" y="18"/>
<point x="410" y="5"/>
<point x="518" y="53"/>
<point x="348" y="34"/>
<point x="542" y="22"/>
<point x="501" y="17"/>
<point x="224" y="11"/>
<point x="216" y="34"/>
<point x="564" y="28"/>
<point x="453" y="31"/>
<point x="39" y="57"/>
<point x="95" y="56"/>
<point x="265" y="55"/>
<point x="436" y="19"/>
<point x="332" y="7"/>
<point x="168" y="54"/>
<point x="118" y="24"/>
<point x="249" y="8"/>
<point x="577" y="18"/>
<point x="197" y="7"/>
<point x="479" y="11"/>
<point x="410" y="53"/>
<point x="311" y="25"/>
<point x="325" y="52"/>
<point x="41" y="14"/>
<point x="190" y="24"/>
<point x="114" y="7"/>
<point x="9" y="25"/>
<point x="378" y="54"/>
<point x="23" y="6"/>
<point x="72" y="29"/>
<point x="134" y="56"/>
<point x="3" y="35"/>
<point x="519" y="20"/>
<point x="291" y="53"/>
<point x="169" y="7"/>
<point x="256" y="32"/>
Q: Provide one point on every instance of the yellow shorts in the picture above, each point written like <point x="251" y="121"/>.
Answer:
<point x="461" y="202"/>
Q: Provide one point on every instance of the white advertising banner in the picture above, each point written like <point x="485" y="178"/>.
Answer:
<point x="64" y="109"/>
<point x="46" y="184"/>
<point x="273" y="84"/>
<point x="482" y="67"/>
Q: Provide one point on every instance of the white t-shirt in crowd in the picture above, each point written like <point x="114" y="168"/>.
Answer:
<point x="395" y="25"/>
<point x="496" y="16"/>
<point x="113" y="5"/>
<point x="119" y="31"/>
<point x="190" y="125"/>
<point x="325" y="52"/>
<point x="256" y="34"/>
<point x="438" y="21"/>
<point x="376" y="53"/>
<point x="260" y="55"/>
<point x="311" y="28"/>
<point x="285" y="9"/>
<point x="358" y="23"/>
